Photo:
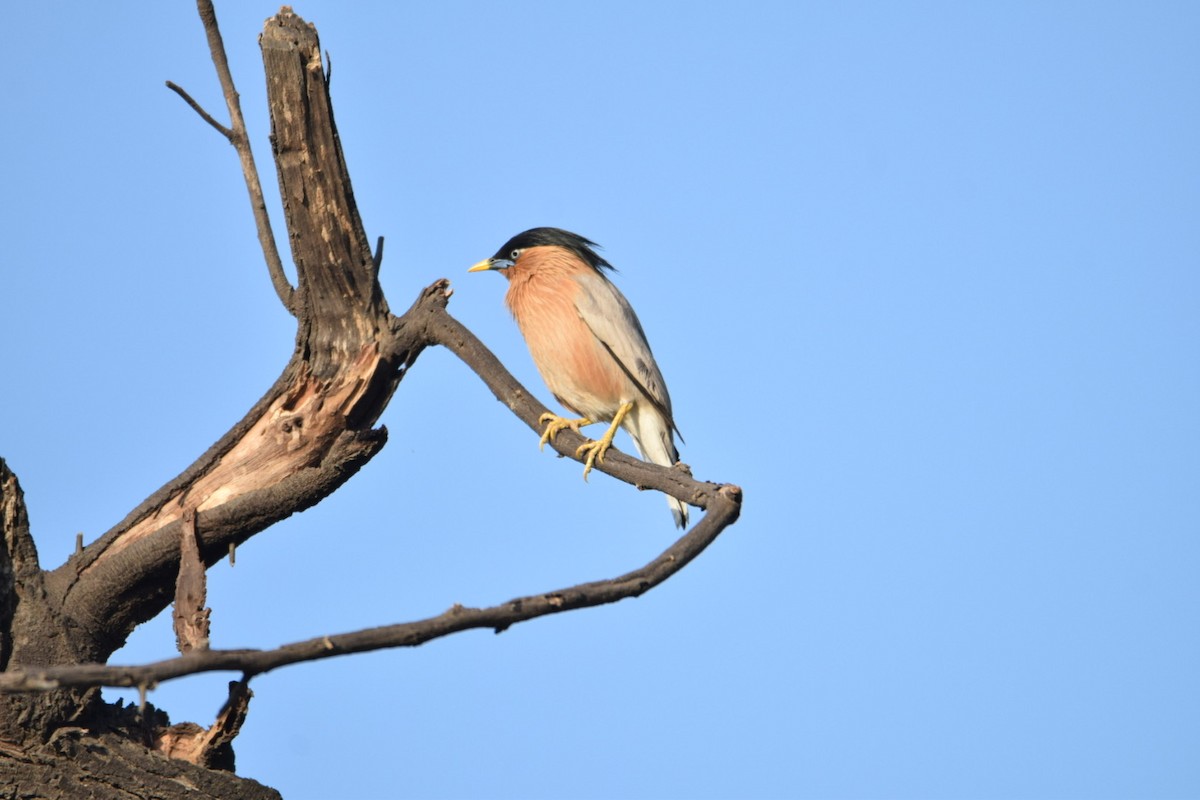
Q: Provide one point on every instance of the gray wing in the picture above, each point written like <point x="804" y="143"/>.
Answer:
<point x="609" y="316"/>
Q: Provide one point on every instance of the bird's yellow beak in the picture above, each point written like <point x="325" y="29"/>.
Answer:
<point x="486" y="264"/>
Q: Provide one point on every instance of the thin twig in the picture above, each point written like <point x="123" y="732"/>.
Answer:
<point x="204" y="115"/>
<point x="241" y="142"/>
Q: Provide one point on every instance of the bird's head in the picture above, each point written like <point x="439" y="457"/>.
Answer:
<point x="511" y="251"/>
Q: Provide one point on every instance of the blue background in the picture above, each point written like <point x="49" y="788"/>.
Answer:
<point x="923" y="278"/>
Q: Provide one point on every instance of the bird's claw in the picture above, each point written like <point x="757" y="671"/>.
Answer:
<point x="554" y="423"/>
<point x="595" y="455"/>
<point x="595" y="451"/>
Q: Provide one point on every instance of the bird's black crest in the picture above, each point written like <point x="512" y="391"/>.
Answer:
<point x="536" y="237"/>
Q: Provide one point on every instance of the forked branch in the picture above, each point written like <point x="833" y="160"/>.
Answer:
<point x="237" y="136"/>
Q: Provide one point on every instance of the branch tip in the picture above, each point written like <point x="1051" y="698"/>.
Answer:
<point x="204" y="115"/>
<point x="378" y="259"/>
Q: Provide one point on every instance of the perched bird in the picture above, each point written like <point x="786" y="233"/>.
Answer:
<point x="588" y="345"/>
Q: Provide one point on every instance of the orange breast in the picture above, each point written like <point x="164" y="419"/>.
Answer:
<point x="575" y="365"/>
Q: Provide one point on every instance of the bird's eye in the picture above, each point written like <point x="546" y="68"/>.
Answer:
<point x="514" y="255"/>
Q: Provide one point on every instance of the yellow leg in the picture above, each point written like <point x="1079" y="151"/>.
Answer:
<point x="554" y="423"/>
<point x="596" y="450"/>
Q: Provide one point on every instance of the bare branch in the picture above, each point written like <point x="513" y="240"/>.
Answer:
<point x="204" y="115"/>
<point x="724" y="504"/>
<point x="429" y="323"/>
<point x="237" y="136"/>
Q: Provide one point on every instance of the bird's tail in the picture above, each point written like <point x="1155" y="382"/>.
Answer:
<point x="653" y="436"/>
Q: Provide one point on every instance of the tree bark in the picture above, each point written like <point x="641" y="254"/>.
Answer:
<point x="308" y="435"/>
<point x="312" y="430"/>
<point x="81" y="764"/>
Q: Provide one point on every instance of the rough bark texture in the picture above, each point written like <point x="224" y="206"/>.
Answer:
<point x="300" y="442"/>
<point x="312" y="430"/>
<point x="78" y="764"/>
<point x="34" y="632"/>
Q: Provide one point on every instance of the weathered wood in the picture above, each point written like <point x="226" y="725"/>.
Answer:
<point x="312" y="430"/>
<point x="32" y="633"/>
<point x="309" y="433"/>
<point x="190" y="617"/>
<point x="340" y="298"/>
<point x="80" y="764"/>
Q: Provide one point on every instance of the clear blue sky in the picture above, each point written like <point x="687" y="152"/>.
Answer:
<point x="923" y="278"/>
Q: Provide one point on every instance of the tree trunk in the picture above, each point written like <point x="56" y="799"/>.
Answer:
<point x="298" y="444"/>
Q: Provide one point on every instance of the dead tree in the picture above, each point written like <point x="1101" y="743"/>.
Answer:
<point x="309" y="434"/>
